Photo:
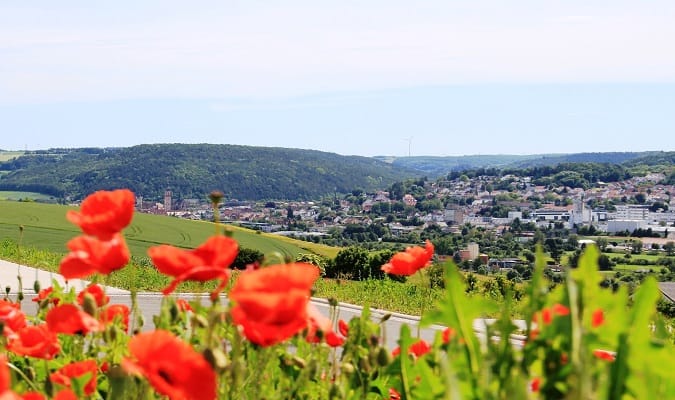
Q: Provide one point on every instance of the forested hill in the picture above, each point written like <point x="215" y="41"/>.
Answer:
<point x="191" y="170"/>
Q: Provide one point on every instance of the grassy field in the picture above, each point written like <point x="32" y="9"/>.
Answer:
<point x="8" y="155"/>
<point x="46" y="227"/>
<point x="5" y="195"/>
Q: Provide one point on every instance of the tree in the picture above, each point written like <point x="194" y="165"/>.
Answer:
<point x="636" y="246"/>
<point x="669" y="248"/>
<point x="350" y="263"/>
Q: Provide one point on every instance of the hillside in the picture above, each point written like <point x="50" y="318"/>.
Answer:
<point x="192" y="170"/>
<point x="435" y="167"/>
<point x="45" y="227"/>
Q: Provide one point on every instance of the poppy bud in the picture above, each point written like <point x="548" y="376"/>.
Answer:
<point x="385" y="318"/>
<point x="36" y="286"/>
<point x="173" y="311"/>
<point x="216" y="196"/>
<point x="332" y="301"/>
<point x="89" y="304"/>
<point x="347" y="368"/>
<point x="199" y="321"/>
<point x="364" y="365"/>
<point x="116" y="371"/>
<point x="374" y="340"/>
<point x="8" y="289"/>
<point x="383" y="357"/>
<point x="299" y="362"/>
<point x="111" y="333"/>
<point x="216" y="358"/>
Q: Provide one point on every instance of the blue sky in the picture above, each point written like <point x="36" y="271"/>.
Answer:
<point x="351" y="77"/>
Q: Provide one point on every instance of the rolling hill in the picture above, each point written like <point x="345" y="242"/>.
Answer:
<point x="193" y="170"/>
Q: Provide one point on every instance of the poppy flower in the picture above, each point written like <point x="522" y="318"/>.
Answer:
<point x="89" y="255"/>
<point x="343" y="328"/>
<point x="113" y="312"/>
<point x="394" y="394"/>
<point x="5" y="380"/>
<point x="535" y="383"/>
<point x="34" y="396"/>
<point x="35" y="341"/>
<point x="77" y="369"/>
<point x="104" y="213"/>
<point x="604" y="355"/>
<point x="318" y="322"/>
<point x="11" y="317"/>
<point x="65" y="394"/>
<point x="209" y="261"/>
<point x="69" y="319"/>
<point x="419" y="348"/>
<point x="597" y="318"/>
<point x="183" y="305"/>
<point x="448" y="334"/>
<point x="96" y="292"/>
<point x="271" y="303"/>
<point x="45" y="294"/>
<point x="410" y="261"/>
<point x="171" y="366"/>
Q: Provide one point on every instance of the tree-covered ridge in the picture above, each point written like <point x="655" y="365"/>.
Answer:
<point x="190" y="170"/>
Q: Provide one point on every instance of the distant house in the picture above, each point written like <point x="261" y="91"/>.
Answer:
<point x="409" y="200"/>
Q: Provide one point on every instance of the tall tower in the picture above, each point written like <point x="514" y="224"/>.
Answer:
<point x="167" y="200"/>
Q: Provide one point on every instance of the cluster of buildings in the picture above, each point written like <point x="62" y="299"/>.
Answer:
<point x="613" y="209"/>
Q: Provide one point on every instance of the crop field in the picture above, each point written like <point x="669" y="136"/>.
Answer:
<point x="45" y="227"/>
<point x="5" y="195"/>
<point x="8" y="155"/>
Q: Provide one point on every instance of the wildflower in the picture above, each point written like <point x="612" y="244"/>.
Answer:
<point x="96" y="292"/>
<point x="65" y="394"/>
<point x="597" y="318"/>
<point x="116" y="312"/>
<point x="604" y="355"/>
<point x="71" y="320"/>
<point x="171" y="366"/>
<point x="410" y="261"/>
<point x="419" y="348"/>
<point x="35" y="341"/>
<point x="77" y="369"/>
<point x="448" y="334"/>
<point x="271" y="303"/>
<point x="89" y="255"/>
<point x="44" y="295"/>
<point x="343" y="328"/>
<point x="394" y="394"/>
<point x="11" y="317"/>
<point x="317" y="322"/>
<point x="104" y="213"/>
<point x="6" y="381"/>
<point x="209" y="261"/>
<point x="183" y="305"/>
<point x="560" y="310"/>
<point x="535" y="383"/>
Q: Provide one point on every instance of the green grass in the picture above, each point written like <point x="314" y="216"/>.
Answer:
<point x="6" y="195"/>
<point x="45" y="227"/>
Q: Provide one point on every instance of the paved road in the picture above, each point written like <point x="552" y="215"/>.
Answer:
<point x="149" y="303"/>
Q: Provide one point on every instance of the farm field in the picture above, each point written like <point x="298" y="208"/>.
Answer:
<point x="7" y="195"/>
<point x="8" y="155"/>
<point x="46" y="227"/>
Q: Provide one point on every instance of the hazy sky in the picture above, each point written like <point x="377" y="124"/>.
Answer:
<point x="351" y="77"/>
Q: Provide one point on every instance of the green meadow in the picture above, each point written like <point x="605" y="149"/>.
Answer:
<point x="45" y="227"/>
<point x="7" y="195"/>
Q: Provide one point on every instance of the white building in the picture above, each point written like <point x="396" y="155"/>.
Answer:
<point x="620" y="225"/>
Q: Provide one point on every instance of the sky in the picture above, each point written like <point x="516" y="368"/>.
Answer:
<point x="362" y="77"/>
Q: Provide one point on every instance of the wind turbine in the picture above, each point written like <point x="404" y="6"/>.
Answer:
<point x="409" y="140"/>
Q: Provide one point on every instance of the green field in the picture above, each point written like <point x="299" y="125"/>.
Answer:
<point x="46" y="227"/>
<point x="25" y="196"/>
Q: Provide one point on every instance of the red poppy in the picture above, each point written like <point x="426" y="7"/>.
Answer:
<point x="535" y="384"/>
<point x="271" y="303"/>
<point x="597" y="318"/>
<point x="89" y="255"/>
<point x="318" y="322"/>
<point x="75" y="370"/>
<point x="11" y="317"/>
<point x="343" y="328"/>
<point x="394" y="394"/>
<point x="5" y="378"/>
<point x="96" y="292"/>
<point x="116" y="312"/>
<point x="45" y="294"/>
<point x="560" y="310"/>
<point x="35" y="396"/>
<point x="419" y="348"/>
<point x="35" y="341"/>
<point x="104" y="213"/>
<point x="65" y="394"/>
<point x="69" y="319"/>
<point x="448" y="334"/>
<point x="410" y="261"/>
<point x="171" y="366"/>
<point x="183" y="305"/>
<point x="209" y="261"/>
<point x="604" y="355"/>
